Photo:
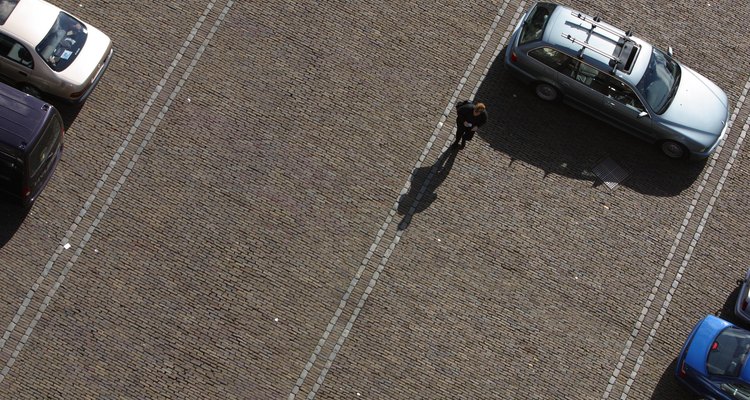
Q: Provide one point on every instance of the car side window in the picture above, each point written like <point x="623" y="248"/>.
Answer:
<point x="621" y="92"/>
<point x="607" y="85"/>
<point x="589" y="76"/>
<point x="554" y="59"/>
<point x="12" y="50"/>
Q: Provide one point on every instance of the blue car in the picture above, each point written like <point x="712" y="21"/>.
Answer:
<point x="713" y="362"/>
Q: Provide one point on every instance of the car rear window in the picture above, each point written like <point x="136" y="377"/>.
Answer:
<point x="533" y="26"/>
<point x="45" y="150"/>
<point x="729" y="352"/>
<point x="6" y="7"/>
<point x="63" y="42"/>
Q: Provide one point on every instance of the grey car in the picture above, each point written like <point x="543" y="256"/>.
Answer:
<point x="742" y="305"/>
<point x="618" y="78"/>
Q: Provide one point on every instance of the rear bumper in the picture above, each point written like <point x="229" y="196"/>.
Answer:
<point x="96" y="80"/>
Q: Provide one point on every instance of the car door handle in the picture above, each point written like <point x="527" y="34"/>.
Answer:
<point x="23" y="73"/>
<point x="610" y="103"/>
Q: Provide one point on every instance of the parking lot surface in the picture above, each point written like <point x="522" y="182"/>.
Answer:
<point x="259" y="201"/>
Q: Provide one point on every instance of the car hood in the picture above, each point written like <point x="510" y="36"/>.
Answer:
<point x="699" y="109"/>
<point x="87" y="63"/>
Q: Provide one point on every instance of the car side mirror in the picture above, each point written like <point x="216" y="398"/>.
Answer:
<point x="670" y="51"/>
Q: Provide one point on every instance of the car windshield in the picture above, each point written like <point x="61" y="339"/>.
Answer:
<point x="6" y="7"/>
<point x="533" y="26"/>
<point x="729" y="352"/>
<point x="63" y="42"/>
<point x="660" y="81"/>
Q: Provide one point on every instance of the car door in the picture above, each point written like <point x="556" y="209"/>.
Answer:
<point x="581" y="83"/>
<point x="559" y="69"/>
<point x="625" y="108"/>
<point x="16" y="62"/>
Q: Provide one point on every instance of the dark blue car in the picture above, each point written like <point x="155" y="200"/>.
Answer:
<point x="714" y="360"/>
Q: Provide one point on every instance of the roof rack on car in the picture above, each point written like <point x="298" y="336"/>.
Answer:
<point x="625" y="50"/>
<point x="596" y="22"/>
<point x="585" y="45"/>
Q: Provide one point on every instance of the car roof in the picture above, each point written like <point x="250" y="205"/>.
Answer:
<point x="22" y="116"/>
<point x="42" y="13"/>
<point x="603" y="37"/>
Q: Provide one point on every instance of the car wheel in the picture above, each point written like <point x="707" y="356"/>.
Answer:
<point x="672" y="149"/>
<point x="32" y="91"/>
<point x="546" y="92"/>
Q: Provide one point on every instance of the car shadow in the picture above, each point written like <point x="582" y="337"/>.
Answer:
<point x="558" y="139"/>
<point x="424" y="183"/>
<point x="69" y="112"/>
<point x="726" y="312"/>
<point x="11" y="217"/>
<point x="668" y="388"/>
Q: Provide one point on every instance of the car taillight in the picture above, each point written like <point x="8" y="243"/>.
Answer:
<point x="513" y="56"/>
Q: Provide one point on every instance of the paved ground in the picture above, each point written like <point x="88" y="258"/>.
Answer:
<point x="258" y="203"/>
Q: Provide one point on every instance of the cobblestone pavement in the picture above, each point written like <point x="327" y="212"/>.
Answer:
<point x="258" y="202"/>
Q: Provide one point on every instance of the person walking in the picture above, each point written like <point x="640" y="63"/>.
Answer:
<point x="470" y="117"/>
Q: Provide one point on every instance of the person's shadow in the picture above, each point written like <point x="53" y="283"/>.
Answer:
<point x="424" y="181"/>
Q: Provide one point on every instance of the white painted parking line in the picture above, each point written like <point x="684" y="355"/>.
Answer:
<point x="327" y="334"/>
<point x="685" y="258"/>
<point x="13" y="325"/>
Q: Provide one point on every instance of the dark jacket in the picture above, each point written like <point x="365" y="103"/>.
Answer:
<point x="466" y="113"/>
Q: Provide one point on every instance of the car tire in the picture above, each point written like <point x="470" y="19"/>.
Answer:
<point x="546" y="92"/>
<point x="673" y="150"/>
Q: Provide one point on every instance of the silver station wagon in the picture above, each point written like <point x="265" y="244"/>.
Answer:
<point x="618" y="78"/>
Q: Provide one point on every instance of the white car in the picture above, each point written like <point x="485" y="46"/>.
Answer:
<point x="47" y="51"/>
